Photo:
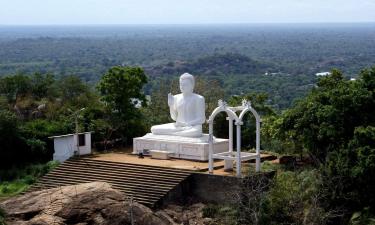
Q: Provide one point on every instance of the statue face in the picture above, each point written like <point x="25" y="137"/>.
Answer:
<point x="186" y="86"/>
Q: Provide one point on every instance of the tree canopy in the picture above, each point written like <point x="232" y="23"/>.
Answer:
<point x="121" y="90"/>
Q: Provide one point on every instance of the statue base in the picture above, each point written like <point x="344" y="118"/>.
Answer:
<point x="179" y="147"/>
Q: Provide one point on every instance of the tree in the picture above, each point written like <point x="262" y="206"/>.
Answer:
<point x="41" y="85"/>
<point x="259" y="103"/>
<point x="335" y="124"/>
<point x="15" y="86"/>
<point x="71" y="87"/>
<point x="157" y="110"/>
<point x="325" y="120"/>
<point x="13" y="148"/>
<point x="349" y="171"/>
<point x="121" y="91"/>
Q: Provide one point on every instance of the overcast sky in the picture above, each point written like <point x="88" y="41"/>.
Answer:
<point x="49" y="12"/>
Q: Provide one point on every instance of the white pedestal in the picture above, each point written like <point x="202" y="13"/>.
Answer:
<point x="228" y="165"/>
<point x="158" y="154"/>
<point x="179" y="147"/>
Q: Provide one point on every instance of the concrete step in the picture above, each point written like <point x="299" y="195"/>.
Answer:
<point x="116" y="177"/>
<point x="127" y="171"/>
<point x="131" y="165"/>
<point x="141" y="186"/>
<point x="83" y="168"/>
<point x="135" y="195"/>
<point x="117" y="186"/>
<point x="145" y="184"/>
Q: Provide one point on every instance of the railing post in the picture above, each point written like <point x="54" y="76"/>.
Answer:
<point x="230" y="134"/>
<point x="210" y="147"/>
<point x="257" y="160"/>
<point x="238" y="159"/>
<point x="228" y="164"/>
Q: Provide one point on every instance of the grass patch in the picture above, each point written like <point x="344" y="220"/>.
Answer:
<point x="17" y="180"/>
<point x="8" y="189"/>
<point x="268" y="166"/>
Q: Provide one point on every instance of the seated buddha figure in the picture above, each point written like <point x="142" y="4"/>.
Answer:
<point x="186" y="109"/>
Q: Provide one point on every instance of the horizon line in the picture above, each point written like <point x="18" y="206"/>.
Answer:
<point x="189" y="24"/>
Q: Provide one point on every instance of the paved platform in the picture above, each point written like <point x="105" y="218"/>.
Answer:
<point x="147" y="160"/>
<point x="195" y="166"/>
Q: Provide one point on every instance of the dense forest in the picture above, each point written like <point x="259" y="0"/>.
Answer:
<point x="331" y="130"/>
<point x="115" y="80"/>
<point x="238" y="54"/>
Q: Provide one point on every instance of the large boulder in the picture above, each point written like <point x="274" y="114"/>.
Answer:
<point x="90" y="203"/>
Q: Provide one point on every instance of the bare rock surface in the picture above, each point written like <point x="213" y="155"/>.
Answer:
<point x="90" y="203"/>
<point x="186" y="215"/>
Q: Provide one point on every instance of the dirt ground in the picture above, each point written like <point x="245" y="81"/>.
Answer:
<point x="124" y="155"/>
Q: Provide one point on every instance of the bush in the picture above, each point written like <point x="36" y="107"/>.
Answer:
<point x="16" y="180"/>
<point x="363" y="217"/>
<point x="2" y="217"/>
<point x="335" y="125"/>
<point x="349" y="172"/>
<point x="12" y="188"/>
<point x="222" y="214"/>
<point x="294" y="198"/>
<point x="210" y="211"/>
<point x="13" y="147"/>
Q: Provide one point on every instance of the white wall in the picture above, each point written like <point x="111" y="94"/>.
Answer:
<point x="66" y="145"/>
<point x="84" y="150"/>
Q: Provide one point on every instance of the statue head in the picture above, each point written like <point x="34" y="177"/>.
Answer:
<point x="187" y="83"/>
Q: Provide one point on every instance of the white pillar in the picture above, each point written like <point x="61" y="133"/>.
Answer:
<point x="210" y="147"/>
<point x="238" y="159"/>
<point x="230" y="134"/>
<point x="257" y="161"/>
<point x="228" y="164"/>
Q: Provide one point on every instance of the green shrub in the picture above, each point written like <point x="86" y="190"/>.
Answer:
<point x="2" y="217"/>
<point x="16" y="180"/>
<point x="210" y="211"/>
<point x="222" y="214"/>
<point x="349" y="172"/>
<point x="268" y="166"/>
<point x="294" y="198"/>
<point x="363" y="217"/>
<point x="52" y="165"/>
<point x="33" y="170"/>
<point x="29" y="179"/>
<point x="12" y="188"/>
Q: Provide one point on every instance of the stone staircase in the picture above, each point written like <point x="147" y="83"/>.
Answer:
<point x="147" y="185"/>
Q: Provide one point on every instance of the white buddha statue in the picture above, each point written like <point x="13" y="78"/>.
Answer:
<point x="187" y="109"/>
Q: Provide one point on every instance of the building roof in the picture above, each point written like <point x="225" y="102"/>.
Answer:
<point x="323" y="74"/>
<point x="67" y="135"/>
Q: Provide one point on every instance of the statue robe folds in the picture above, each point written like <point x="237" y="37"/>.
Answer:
<point x="189" y="113"/>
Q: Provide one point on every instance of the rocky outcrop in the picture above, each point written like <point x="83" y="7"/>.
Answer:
<point x="188" y="214"/>
<point x="90" y="203"/>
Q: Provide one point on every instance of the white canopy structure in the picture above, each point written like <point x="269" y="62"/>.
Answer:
<point x="231" y="156"/>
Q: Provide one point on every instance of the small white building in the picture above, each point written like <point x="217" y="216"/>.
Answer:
<point x="322" y="74"/>
<point x="68" y="145"/>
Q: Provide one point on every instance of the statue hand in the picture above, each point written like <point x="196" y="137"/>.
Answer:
<point x="170" y="100"/>
<point x="181" y="124"/>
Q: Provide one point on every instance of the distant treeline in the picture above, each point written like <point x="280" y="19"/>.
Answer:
<point x="238" y="56"/>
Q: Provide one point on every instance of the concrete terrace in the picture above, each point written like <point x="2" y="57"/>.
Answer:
<point x="125" y="156"/>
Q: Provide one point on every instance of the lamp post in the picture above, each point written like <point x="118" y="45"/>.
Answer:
<point x="76" y="114"/>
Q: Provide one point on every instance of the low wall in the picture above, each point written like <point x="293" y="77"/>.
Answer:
<point x="206" y="188"/>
